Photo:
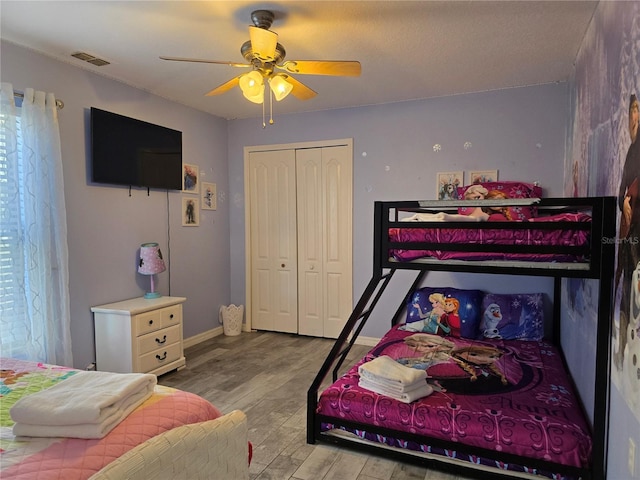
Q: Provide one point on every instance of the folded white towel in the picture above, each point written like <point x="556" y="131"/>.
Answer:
<point x="391" y="388"/>
<point x="86" y="430"/>
<point x="406" y="397"/>
<point x="84" y="398"/>
<point x="386" y="368"/>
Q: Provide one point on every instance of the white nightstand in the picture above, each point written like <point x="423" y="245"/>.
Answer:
<point x="139" y="335"/>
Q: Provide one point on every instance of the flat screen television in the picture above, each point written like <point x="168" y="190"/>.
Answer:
<point x="126" y="151"/>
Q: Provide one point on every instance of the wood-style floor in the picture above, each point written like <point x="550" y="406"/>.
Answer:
<point x="267" y="375"/>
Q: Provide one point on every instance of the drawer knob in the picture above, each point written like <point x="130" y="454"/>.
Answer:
<point x="171" y="316"/>
<point x="161" y="358"/>
<point x="160" y="342"/>
<point x="150" y="322"/>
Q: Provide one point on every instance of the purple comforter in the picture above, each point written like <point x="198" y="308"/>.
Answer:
<point x="497" y="236"/>
<point x="521" y="402"/>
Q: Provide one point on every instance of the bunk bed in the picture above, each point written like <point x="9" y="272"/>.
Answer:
<point x="504" y="430"/>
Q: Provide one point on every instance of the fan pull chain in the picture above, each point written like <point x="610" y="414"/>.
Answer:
<point x="264" y="125"/>
<point x="270" y="106"/>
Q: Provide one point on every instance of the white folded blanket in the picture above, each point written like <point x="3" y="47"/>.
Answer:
<point x="85" y="405"/>
<point x="406" y="397"/>
<point x="442" y="217"/>
<point x="386" y="368"/>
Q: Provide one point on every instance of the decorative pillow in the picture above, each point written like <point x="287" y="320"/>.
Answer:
<point x="512" y="316"/>
<point x="445" y="311"/>
<point x="506" y="190"/>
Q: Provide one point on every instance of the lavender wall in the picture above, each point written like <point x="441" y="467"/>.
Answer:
<point x="106" y="226"/>
<point x="521" y="132"/>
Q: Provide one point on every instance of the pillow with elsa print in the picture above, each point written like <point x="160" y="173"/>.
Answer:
<point x="445" y="311"/>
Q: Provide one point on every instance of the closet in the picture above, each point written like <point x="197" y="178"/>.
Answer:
<point x="299" y="237"/>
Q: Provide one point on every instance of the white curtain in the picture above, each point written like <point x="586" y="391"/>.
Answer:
<point x="34" y="298"/>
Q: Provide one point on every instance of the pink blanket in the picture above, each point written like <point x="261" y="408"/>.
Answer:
<point x="494" y="236"/>
<point x="508" y="396"/>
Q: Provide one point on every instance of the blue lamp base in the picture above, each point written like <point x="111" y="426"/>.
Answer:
<point x="152" y="295"/>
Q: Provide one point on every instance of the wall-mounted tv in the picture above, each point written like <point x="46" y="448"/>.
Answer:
<point x="126" y="151"/>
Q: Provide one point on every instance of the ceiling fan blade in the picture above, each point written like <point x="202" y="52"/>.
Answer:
<point x="300" y="90"/>
<point x="318" y="67"/>
<point x="225" y="87"/>
<point x="198" y="60"/>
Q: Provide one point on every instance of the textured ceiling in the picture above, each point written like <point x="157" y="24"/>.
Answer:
<point x="408" y="50"/>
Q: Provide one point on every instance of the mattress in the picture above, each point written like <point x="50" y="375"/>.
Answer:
<point x="520" y="406"/>
<point x="565" y="235"/>
<point x="73" y="458"/>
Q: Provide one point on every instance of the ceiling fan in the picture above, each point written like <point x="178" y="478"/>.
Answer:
<point x="265" y="57"/>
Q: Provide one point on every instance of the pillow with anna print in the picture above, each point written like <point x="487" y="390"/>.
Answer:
<point x="444" y="311"/>
<point x="500" y="190"/>
<point x="512" y="316"/>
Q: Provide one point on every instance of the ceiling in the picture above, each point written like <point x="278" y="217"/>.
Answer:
<point x="408" y="50"/>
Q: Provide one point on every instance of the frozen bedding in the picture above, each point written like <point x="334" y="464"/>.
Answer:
<point x="76" y="458"/>
<point x="569" y="233"/>
<point x="492" y="399"/>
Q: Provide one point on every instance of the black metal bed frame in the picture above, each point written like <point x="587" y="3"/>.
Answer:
<point x="600" y="266"/>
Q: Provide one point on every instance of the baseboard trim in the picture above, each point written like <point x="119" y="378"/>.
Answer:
<point x="368" y="341"/>
<point x="201" y="337"/>
<point x="214" y="332"/>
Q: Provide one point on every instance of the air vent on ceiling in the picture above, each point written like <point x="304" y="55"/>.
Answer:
<point x="99" y="62"/>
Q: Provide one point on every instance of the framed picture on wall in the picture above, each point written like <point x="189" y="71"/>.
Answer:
<point x="209" y="196"/>
<point x="448" y="183"/>
<point x="190" y="178"/>
<point x="190" y="212"/>
<point x="482" y="176"/>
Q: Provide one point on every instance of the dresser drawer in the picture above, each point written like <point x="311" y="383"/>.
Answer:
<point x="147" y="322"/>
<point x="158" y="339"/>
<point x="171" y="315"/>
<point x="160" y="357"/>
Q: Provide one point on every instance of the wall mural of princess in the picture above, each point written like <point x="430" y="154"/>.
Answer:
<point x="605" y="160"/>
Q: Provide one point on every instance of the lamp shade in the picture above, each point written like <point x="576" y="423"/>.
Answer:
<point x="280" y="87"/>
<point x="263" y="43"/>
<point x="151" y="260"/>
<point x="252" y="86"/>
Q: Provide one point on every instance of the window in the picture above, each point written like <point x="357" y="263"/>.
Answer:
<point x="34" y="271"/>
<point x="12" y="298"/>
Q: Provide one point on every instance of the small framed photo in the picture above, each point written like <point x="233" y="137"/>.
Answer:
<point x="448" y="183"/>
<point x="190" y="178"/>
<point x="190" y="212"/>
<point x="483" y="176"/>
<point x="209" y="196"/>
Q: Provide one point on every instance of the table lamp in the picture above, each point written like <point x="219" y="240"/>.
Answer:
<point x="151" y="262"/>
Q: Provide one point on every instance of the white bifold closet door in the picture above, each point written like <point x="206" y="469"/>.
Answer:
<point x="301" y="239"/>
<point x="324" y="193"/>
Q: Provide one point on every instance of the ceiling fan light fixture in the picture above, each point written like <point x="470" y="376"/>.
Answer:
<point x="263" y="43"/>
<point x="280" y="87"/>
<point x="252" y="86"/>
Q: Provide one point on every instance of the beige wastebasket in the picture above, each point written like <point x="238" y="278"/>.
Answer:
<point x="231" y="319"/>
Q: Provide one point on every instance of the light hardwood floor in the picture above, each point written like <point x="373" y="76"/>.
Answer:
<point x="267" y="375"/>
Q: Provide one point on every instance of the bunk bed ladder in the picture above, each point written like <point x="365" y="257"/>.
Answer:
<point x="348" y="336"/>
